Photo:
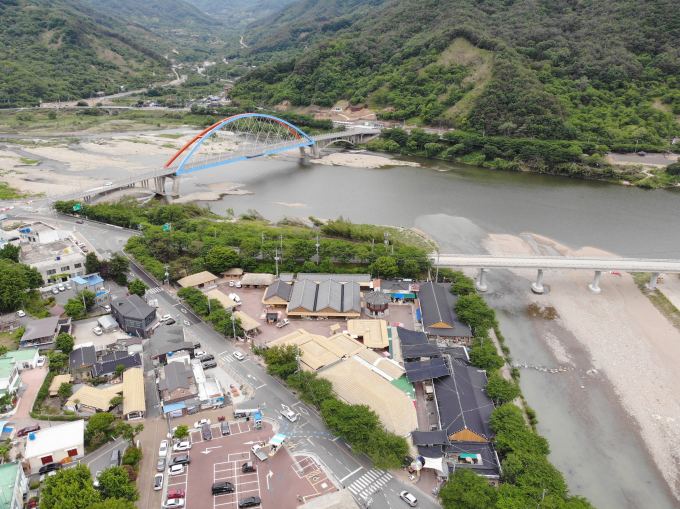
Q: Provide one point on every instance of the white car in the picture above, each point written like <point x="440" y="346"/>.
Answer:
<point x="158" y="482"/>
<point x="238" y="284"/>
<point x="95" y="483"/>
<point x="68" y="286"/>
<point x="408" y="498"/>
<point x="182" y="446"/>
<point x="55" y="290"/>
<point x="21" y="313"/>
<point x="98" y="331"/>
<point x="176" y="470"/>
<point x="239" y="356"/>
<point x="199" y="353"/>
<point x="107" y="308"/>
<point x="108" y="184"/>
<point x="290" y="415"/>
<point x="199" y="424"/>
<point x="172" y="503"/>
<point x="61" y="288"/>
<point x="165" y="317"/>
<point x="41" y="361"/>
<point x="232" y="283"/>
<point x="283" y="323"/>
<point x="235" y="298"/>
<point x="163" y="449"/>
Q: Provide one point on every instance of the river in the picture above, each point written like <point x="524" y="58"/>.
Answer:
<point x="593" y="442"/>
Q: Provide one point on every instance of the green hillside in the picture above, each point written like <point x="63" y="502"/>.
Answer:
<point x="53" y="49"/>
<point x="567" y="70"/>
<point x="238" y="13"/>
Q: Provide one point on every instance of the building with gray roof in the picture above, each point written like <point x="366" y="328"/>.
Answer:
<point x="362" y="279"/>
<point x="134" y="315"/>
<point x="437" y="313"/>
<point x="82" y="358"/>
<point x="327" y="298"/>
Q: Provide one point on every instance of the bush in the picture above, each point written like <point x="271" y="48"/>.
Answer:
<point x="131" y="472"/>
<point x="34" y="485"/>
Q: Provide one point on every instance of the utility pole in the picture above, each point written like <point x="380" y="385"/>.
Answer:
<point x="276" y="259"/>
<point x="317" y="249"/>
<point x="167" y="276"/>
<point x="436" y="280"/>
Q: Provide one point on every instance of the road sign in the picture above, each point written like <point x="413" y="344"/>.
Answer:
<point x="77" y="207"/>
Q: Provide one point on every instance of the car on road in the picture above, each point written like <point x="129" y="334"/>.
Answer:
<point x="176" y="494"/>
<point x="163" y="449"/>
<point x="79" y="221"/>
<point x="225" y="429"/>
<point x="115" y="458"/>
<point x="55" y="290"/>
<point x="166" y="317"/>
<point x="176" y="470"/>
<point x="290" y="415"/>
<point x="21" y="313"/>
<point x="219" y="488"/>
<point x="61" y="288"/>
<point x="209" y="365"/>
<point x="107" y="308"/>
<point x="169" y="321"/>
<point x="49" y="467"/>
<point x="182" y="446"/>
<point x="180" y="460"/>
<point x="158" y="482"/>
<point x="108" y="184"/>
<point x="239" y="356"/>
<point x="29" y="429"/>
<point x="408" y="498"/>
<point x="249" y="501"/>
<point x="199" y="424"/>
<point x="98" y="331"/>
<point x="41" y="361"/>
<point x="160" y="465"/>
<point x="173" y="503"/>
<point x="199" y="353"/>
<point x="95" y="483"/>
<point x="207" y="357"/>
<point x="283" y="323"/>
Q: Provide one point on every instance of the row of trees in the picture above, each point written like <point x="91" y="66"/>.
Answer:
<point x="212" y="310"/>
<point x="357" y="424"/>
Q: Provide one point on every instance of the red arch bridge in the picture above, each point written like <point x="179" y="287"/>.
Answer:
<point x="231" y="139"/>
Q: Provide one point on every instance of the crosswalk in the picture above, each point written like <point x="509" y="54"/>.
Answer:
<point x="369" y="483"/>
<point x="226" y="357"/>
<point x="154" y="290"/>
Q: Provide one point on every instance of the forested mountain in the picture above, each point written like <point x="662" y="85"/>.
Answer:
<point x="237" y="14"/>
<point x="551" y="69"/>
<point x="53" y="49"/>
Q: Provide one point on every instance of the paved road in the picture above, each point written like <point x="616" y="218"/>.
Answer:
<point x="101" y="458"/>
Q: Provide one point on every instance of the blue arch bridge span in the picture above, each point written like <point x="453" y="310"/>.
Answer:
<point x="232" y="139"/>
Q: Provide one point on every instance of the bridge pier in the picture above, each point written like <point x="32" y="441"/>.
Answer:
<point x="655" y="279"/>
<point x="537" y="287"/>
<point x="595" y="287"/>
<point x="479" y="283"/>
<point x="316" y="151"/>
<point x="175" y="185"/>
<point x="302" y="151"/>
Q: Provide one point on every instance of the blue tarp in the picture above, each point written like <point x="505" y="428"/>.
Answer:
<point x="418" y="314"/>
<point x="173" y="407"/>
<point x="398" y="295"/>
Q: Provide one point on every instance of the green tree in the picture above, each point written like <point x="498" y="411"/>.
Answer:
<point x="467" y="490"/>
<point x="313" y="389"/>
<point x="138" y="287"/>
<point x="115" y="483"/>
<point x="71" y="488"/>
<point x="64" y="343"/>
<point x="502" y="390"/>
<point x="90" y="298"/>
<point x="673" y="169"/>
<point x="387" y="450"/>
<point x="220" y="259"/>
<point x="474" y="311"/>
<point x="92" y="263"/>
<point x="411" y="269"/>
<point x="128" y="432"/>
<point x="10" y="252"/>
<point x="116" y="400"/>
<point x="182" y="431"/>
<point x="113" y="503"/>
<point x="65" y="391"/>
<point x="513" y="434"/>
<point x="355" y="423"/>
<point x="33" y="278"/>
<point x="250" y="248"/>
<point x="74" y="308"/>
<point x="384" y="266"/>
<point x="13" y="284"/>
<point x="118" y="266"/>
<point x="57" y="361"/>
<point x="281" y="360"/>
<point x="486" y="357"/>
<point x="100" y="423"/>
<point x="533" y="473"/>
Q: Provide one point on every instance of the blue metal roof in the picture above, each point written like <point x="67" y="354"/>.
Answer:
<point x="173" y="407"/>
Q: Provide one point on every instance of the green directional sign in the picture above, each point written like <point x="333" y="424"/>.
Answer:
<point x="77" y="207"/>
<point x="166" y="227"/>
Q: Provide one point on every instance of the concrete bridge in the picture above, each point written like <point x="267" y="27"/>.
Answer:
<point x="254" y="134"/>
<point x="543" y="263"/>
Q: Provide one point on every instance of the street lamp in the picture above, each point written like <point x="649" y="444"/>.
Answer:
<point x="233" y="324"/>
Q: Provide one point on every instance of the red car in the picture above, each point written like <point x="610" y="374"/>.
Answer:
<point x="27" y="430"/>
<point x="176" y="494"/>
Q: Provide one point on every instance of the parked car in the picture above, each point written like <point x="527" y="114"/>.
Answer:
<point x="408" y="498"/>
<point x="199" y="424"/>
<point x="68" y="286"/>
<point x="232" y="283"/>
<point x="173" y="503"/>
<point x="238" y="284"/>
<point x="29" y="429"/>
<point x="108" y="184"/>
<point x="249" y="501"/>
<point x="206" y="433"/>
<point x="248" y="467"/>
<point x="48" y="474"/>
<point x="160" y="465"/>
<point x="207" y="357"/>
<point x="176" y="470"/>
<point x="107" y="308"/>
<point x="95" y="483"/>
<point x="180" y="460"/>
<point x="239" y="356"/>
<point x="55" y="290"/>
<point x="170" y="321"/>
<point x="182" y="446"/>
<point x="115" y="458"/>
<point x="176" y="494"/>
<point x="21" y="313"/>
<point x="61" y="288"/>
<point x="283" y="323"/>
<point x="98" y="331"/>
<point x="166" y="317"/>
<point x="225" y="429"/>
<point x="219" y="488"/>
<point x="49" y="467"/>
<point x="235" y="298"/>
<point x="41" y="361"/>
<point x="197" y="344"/>
<point x="158" y="482"/>
<point x="199" y="353"/>
<point x="79" y="221"/>
<point x="163" y="449"/>
<point x="209" y="365"/>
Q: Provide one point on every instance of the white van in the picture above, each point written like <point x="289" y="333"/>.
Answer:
<point x="235" y="298"/>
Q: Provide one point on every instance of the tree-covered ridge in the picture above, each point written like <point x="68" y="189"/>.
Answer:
<point x="52" y="49"/>
<point x="571" y="70"/>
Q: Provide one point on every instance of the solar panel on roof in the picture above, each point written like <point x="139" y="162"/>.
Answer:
<point x="425" y="370"/>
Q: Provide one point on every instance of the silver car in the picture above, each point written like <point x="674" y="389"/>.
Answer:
<point x="158" y="482"/>
<point x="160" y="466"/>
<point x="408" y="498"/>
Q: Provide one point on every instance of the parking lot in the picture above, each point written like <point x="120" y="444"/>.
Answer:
<point x="277" y="481"/>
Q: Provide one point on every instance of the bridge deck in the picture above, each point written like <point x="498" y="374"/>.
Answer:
<point x="557" y="262"/>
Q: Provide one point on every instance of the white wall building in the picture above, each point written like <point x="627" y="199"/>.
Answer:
<point x="57" y="261"/>
<point x="41" y="233"/>
<point x="56" y="443"/>
<point x="13" y="486"/>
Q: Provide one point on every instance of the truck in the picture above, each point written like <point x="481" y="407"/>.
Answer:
<point x="274" y="444"/>
<point x="290" y="415"/>
<point x="259" y="452"/>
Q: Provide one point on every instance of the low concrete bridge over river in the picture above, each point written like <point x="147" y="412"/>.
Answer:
<point x="253" y="134"/>
<point x="542" y="263"/>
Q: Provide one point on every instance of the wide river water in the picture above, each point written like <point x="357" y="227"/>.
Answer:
<point x="593" y="442"/>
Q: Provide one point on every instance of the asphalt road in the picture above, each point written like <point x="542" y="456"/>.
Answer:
<point x="309" y="433"/>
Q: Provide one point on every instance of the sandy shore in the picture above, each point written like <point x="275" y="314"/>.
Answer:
<point x="626" y="337"/>
<point x="360" y="161"/>
<point x="291" y="204"/>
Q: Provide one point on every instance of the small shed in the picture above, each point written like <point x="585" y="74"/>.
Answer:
<point x="107" y="323"/>
<point x="56" y="383"/>
<point x="199" y="280"/>
<point x="247" y="323"/>
<point x="233" y="273"/>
